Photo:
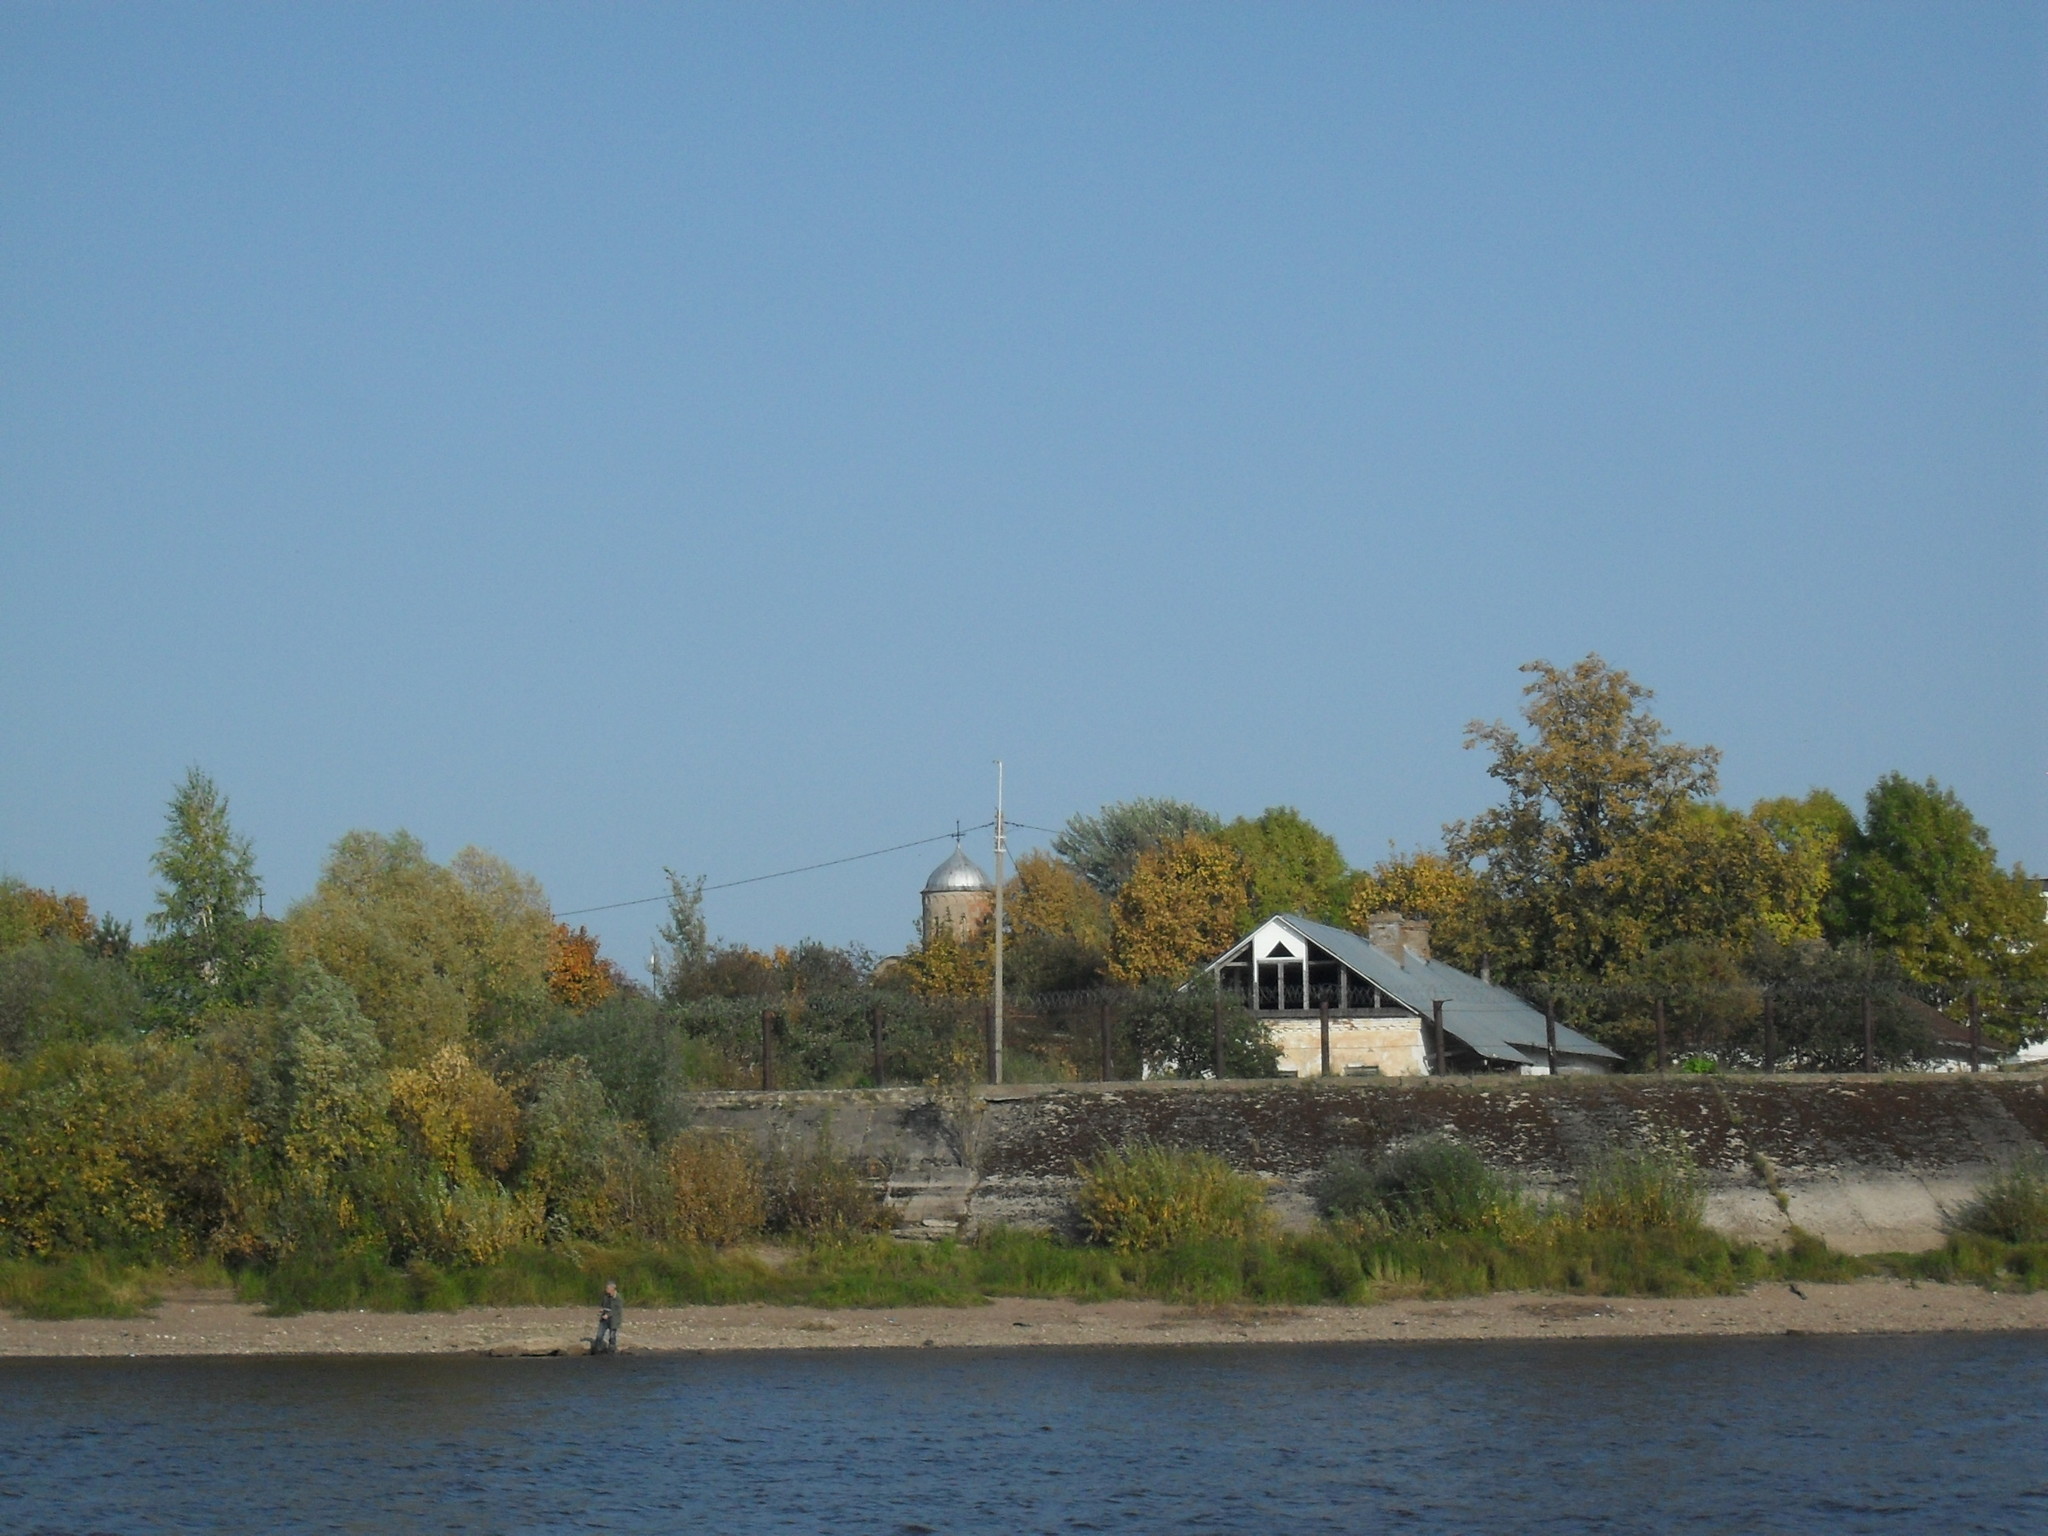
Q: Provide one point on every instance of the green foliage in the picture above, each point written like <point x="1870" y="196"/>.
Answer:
<point x="434" y="955"/>
<point x="2011" y="1206"/>
<point x="1641" y="1189"/>
<point x="1972" y="1258"/>
<point x="1294" y="865"/>
<point x="206" y="949"/>
<point x="1429" y="1185"/>
<point x="1173" y="1030"/>
<point x="643" y="1056"/>
<point x="1143" y="1198"/>
<point x="90" y="1285"/>
<point x="57" y="990"/>
<point x="1106" y="847"/>
<point x="1921" y="879"/>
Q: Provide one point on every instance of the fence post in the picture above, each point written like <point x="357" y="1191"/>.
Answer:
<point x="767" y="1050"/>
<point x="1976" y="1030"/>
<point x="1326" y="1039"/>
<point x="1660" y="1035"/>
<point x="1436" y="1013"/>
<point x="1550" y="1027"/>
<point x="1869" y="1034"/>
<point x="875" y="1018"/>
<point x="1108" y="1064"/>
<point x="1770" y="1033"/>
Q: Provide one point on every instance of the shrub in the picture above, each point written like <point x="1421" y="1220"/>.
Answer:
<point x="818" y="1194"/>
<point x="2011" y="1206"/>
<point x="1641" y="1189"/>
<point x="718" y="1189"/>
<point x="1145" y="1198"/>
<point x="1429" y="1185"/>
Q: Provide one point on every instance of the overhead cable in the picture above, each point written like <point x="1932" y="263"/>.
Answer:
<point x="801" y="869"/>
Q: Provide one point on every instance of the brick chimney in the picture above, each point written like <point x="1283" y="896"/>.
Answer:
<point x="1383" y="932"/>
<point x="1415" y="936"/>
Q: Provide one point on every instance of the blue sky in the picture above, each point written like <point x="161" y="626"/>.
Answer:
<point x="632" y="436"/>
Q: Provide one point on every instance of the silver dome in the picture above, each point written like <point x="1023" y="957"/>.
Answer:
<point x="958" y="873"/>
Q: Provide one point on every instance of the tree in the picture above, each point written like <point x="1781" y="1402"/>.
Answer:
<point x="1057" y="928"/>
<point x="1106" y="847"/>
<point x="434" y="955"/>
<point x="1294" y="865"/>
<point x="685" y="936"/>
<point x="1599" y="773"/>
<point x="28" y="913"/>
<point x="1921" y="879"/>
<point x="205" y="948"/>
<point x="579" y="978"/>
<point x="1183" y="905"/>
<point x="1432" y="887"/>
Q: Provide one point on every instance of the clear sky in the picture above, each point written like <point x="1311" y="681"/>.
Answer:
<point x="629" y="436"/>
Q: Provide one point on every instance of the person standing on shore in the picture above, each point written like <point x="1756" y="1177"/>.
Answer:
<point x="609" y="1316"/>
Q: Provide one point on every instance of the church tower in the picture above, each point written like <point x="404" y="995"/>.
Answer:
<point x="957" y="896"/>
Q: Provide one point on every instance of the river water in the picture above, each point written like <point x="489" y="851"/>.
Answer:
<point x="1932" y="1434"/>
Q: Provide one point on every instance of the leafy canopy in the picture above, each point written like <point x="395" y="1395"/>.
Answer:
<point x="1106" y="847"/>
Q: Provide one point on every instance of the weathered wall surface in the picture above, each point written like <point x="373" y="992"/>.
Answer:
<point x="1867" y="1162"/>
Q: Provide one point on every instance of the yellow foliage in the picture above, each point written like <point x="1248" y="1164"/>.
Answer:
<point x="945" y="965"/>
<point x="1049" y="897"/>
<point x="720" y="1197"/>
<point x="1184" y="904"/>
<point x="456" y="1115"/>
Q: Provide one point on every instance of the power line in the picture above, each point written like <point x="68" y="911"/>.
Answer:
<point x="801" y="869"/>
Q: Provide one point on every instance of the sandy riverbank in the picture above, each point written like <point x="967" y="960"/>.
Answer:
<point x="206" y="1324"/>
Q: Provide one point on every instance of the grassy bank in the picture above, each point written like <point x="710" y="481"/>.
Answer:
<point x="1324" y="1266"/>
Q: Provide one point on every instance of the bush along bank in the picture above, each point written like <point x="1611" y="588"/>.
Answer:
<point x="1425" y="1219"/>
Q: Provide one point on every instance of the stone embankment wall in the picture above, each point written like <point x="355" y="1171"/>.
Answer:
<point x="1869" y="1163"/>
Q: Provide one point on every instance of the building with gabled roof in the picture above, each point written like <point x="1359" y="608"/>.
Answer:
<point x="1381" y="992"/>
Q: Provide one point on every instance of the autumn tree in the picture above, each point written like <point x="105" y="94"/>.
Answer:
<point x="1293" y="865"/>
<point x="1184" y="904"/>
<point x="1106" y="847"/>
<point x="1444" y="893"/>
<point x="1056" y="927"/>
<point x="579" y="978"/>
<point x="1598" y="773"/>
<point x="206" y="948"/>
<point x="28" y="913"/>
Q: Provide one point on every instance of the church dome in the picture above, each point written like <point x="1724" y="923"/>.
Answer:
<point x="958" y="873"/>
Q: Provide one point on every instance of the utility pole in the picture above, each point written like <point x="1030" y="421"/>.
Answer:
<point x="995" y="1043"/>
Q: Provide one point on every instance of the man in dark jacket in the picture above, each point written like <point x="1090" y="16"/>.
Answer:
<point x="609" y="1316"/>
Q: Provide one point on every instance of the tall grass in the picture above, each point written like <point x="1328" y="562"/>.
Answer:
<point x="1147" y="1198"/>
<point x="2011" y="1206"/>
<point x="1432" y="1185"/>
<point x="1641" y="1189"/>
<point x="92" y="1285"/>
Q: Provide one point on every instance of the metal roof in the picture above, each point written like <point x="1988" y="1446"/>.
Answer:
<point x="958" y="873"/>
<point x="1490" y="1020"/>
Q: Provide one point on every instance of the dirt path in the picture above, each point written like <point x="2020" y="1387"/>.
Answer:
<point x="203" y="1324"/>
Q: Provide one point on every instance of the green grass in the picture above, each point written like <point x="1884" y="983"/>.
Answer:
<point x="1334" y="1263"/>
<point x="93" y="1285"/>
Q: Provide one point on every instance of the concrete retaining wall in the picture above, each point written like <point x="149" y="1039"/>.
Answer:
<point x="1869" y="1163"/>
